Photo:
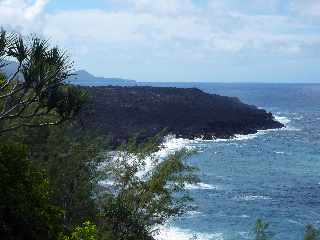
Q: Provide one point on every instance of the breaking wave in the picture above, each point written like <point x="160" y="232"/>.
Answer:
<point x="174" y="233"/>
<point x="251" y="198"/>
<point x="200" y="185"/>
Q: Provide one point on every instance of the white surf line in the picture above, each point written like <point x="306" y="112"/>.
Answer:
<point x="174" y="233"/>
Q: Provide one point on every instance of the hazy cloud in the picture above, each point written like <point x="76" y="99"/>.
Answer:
<point x="172" y="24"/>
<point x="35" y="9"/>
<point x="306" y="8"/>
<point x="22" y="15"/>
<point x="178" y="24"/>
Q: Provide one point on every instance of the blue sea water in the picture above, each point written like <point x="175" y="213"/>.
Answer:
<point x="273" y="175"/>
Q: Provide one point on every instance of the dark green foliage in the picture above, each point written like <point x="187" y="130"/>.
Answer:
<point x="56" y="172"/>
<point x="25" y="208"/>
<point x="87" y="231"/>
<point x="72" y="165"/>
<point x="311" y="233"/>
<point x="133" y="206"/>
<point x="70" y="159"/>
<point x="261" y="231"/>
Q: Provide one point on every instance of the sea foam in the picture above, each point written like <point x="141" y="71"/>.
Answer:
<point x="245" y="137"/>
<point x="171" y="144"/>
<point x="282" y="119"/>
<point x="286" y="122"/>
<point x="201" y="185"/>
<point x="174" y="233"/>
<point x="251" y="198"/>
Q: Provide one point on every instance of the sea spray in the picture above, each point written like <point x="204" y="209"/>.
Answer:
<point x="168" y="232"/>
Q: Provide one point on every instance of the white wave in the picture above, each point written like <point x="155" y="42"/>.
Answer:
<point x="174" y="233"/>
<point x="279" y="152"/>
<point x="193" y="213"/>
<point x="246" y="137"/>
<point x="171" y="144"/>
<point x="222" y="140"/>
<point x="245" y="235"/>
<point x="242" y="137"/>
<point x="289" y="128"/>
<point x="295" y="222"/>
<point x="298" y="118"/>
<point x="251" y="198"/>
<point x="282" y="119"/>
<point x="285" y="121"/>
<point x="201" y="186"/>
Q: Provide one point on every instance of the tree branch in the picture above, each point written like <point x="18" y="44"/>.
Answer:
<point x="11" y="78"/>
<point x="45" y="124"/>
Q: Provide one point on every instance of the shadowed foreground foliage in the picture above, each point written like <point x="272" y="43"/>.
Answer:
<point x="25" y="208"/>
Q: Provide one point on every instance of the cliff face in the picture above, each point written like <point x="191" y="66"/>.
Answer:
<point x="121" y="112"/>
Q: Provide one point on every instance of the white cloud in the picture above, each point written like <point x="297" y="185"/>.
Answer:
<point x="163" y="30"/>
<point x="36" y="9"/>
<point x="94" y="26"/>
<point x="161" y="7"/>
<point x="21" y="15"/>
<point x="306" y="8"/>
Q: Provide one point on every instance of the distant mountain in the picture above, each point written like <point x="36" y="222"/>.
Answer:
<point x="81" y="77"/>
<point x="84" y="78"/>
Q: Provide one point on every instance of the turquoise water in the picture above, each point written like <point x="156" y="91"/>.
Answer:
<point x="273" y="175"/>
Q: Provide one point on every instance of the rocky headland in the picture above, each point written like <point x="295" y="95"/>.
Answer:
<point x="142" y="112"/>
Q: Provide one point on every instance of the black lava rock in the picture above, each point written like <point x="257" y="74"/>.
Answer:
<point x="142" y="112"/>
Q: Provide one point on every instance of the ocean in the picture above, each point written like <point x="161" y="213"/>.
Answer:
<point x="272" y="175"/>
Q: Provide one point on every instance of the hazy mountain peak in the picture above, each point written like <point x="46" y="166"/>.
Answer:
<point x="84" y="73"/>
<point x="80" y="77"/>
<point x="83" y="77"/>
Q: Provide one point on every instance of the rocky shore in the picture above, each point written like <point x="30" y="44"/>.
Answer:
<point x="142" y="112"/>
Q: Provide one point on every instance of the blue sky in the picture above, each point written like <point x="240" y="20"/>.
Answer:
<point x="179" y="40"/>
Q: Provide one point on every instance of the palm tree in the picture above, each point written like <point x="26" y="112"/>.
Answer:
<point x="36" y="93"/>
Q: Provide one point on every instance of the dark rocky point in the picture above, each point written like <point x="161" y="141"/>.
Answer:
<point x="124" y="112"/>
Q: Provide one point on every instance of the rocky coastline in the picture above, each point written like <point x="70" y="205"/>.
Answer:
<point x="142" y="112"/>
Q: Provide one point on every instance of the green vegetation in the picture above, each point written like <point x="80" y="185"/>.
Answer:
<point x="311" y="233"/>
<point x="261" y="231"/>
<point x="25" y="207"/>
<point x="87" y="231"/>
